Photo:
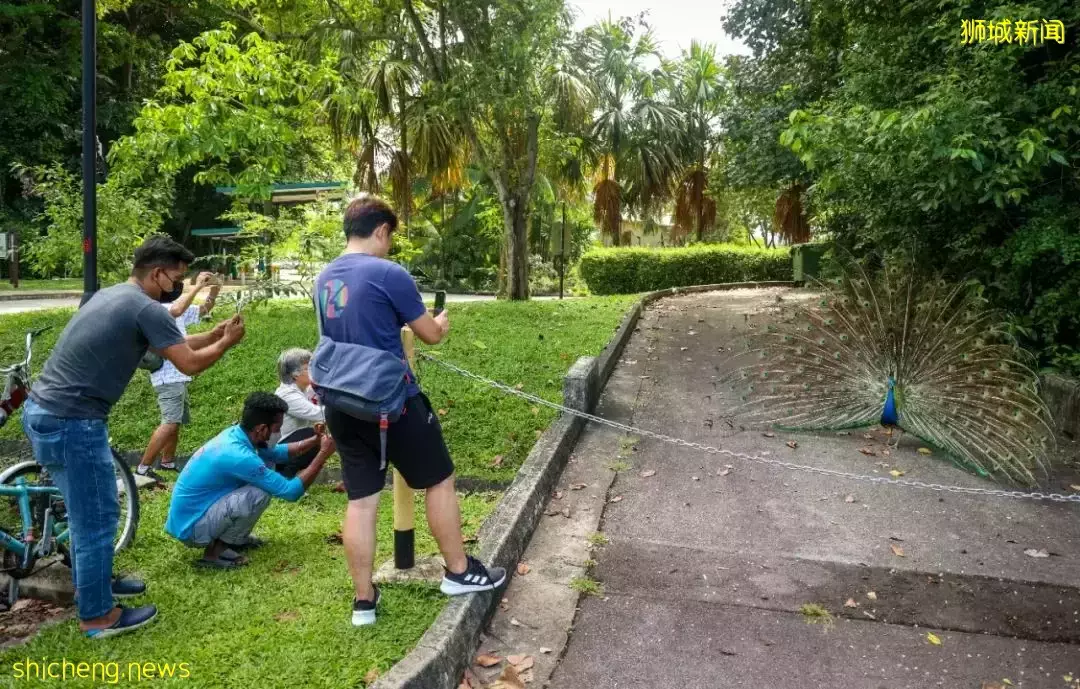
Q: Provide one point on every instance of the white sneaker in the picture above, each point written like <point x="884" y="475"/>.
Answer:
<point x="363" y="611"/>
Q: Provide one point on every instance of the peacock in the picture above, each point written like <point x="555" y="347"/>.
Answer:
<point x="924" y="356"/>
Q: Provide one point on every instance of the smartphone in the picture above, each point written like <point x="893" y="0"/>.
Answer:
<point x="440" y="302"/>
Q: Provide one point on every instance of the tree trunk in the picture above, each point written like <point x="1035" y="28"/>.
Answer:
<point x="406" y="194"/>
<point x="515" y="219"/>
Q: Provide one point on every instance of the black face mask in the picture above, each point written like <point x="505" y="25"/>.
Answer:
<point x="169" y="297"/>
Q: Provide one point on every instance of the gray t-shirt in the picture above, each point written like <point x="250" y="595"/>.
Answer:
<point x="99" y="350"/>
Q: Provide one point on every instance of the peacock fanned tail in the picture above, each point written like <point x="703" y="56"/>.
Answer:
<point x="961" y="382"/>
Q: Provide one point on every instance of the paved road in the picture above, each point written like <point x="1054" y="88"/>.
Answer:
<point x="707" y="568"/>
<point x="23" y="305"/>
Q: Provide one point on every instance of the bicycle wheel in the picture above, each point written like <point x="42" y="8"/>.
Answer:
<point x="127" y="491"/>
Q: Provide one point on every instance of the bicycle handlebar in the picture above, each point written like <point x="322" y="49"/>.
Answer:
<point x="30" y="336"/>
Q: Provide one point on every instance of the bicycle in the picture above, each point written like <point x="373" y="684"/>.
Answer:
<point x="33" y="518"/>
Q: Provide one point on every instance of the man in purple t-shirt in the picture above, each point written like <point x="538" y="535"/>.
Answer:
<point x="366" y="300"/>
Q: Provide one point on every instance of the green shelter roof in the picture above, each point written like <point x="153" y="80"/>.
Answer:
<point x="216" y="232"/>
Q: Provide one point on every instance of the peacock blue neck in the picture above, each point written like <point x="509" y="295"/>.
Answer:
<point x="890" y="415"/>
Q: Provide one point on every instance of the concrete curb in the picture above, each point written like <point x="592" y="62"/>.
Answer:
<point x="23" y="296"/>
<point x="446" y="648"/>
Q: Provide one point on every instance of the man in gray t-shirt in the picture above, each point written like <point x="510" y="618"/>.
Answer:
<point x="65" y="417"/>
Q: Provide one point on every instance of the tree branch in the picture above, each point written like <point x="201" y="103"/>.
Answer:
<point x="425" y="44"/>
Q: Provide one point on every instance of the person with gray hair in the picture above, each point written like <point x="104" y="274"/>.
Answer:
<point x="305" y="416"/>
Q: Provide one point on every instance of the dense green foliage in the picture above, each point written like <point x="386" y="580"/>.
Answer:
<point x="633" y="270"/>
<point x="963" y="155"/>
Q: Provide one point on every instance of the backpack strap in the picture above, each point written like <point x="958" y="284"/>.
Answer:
<point x="384" y="426"/>
<point x="318" y="307"/>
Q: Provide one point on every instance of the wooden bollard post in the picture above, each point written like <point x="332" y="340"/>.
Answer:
<point x="404" y="533"/>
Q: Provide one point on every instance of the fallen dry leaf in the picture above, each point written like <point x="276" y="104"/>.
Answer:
<point x="925" y="451"/>
<point x="617" y="498"/>
<point x="769" y="434"/>
<point x="1074" y="487"/>
<point x="850" y="603"/>
<point x="886" y="453"/>
<point x="519" y="386"/>
<point x="488" y="660"/>
<point x="509" y="679"/>
<point x="993" y="685"/>
<point x="648" y="472"/>
<point x="849" y="499"/>
<point x="443" y="412"/>
<point x="566" y="512"/>
<point x="1032" y="552"/>
<point x="514" y="622"/>
<point x="896" y="473"/>
<point x="695" y="478"/>
<point x="497" y="461"/>
<point x="287" y="616"/>
<point x="577" y="486"/>
<point x="933" y="639"/>
<point x="20" y="604"/>
<point x="868" y="614"/>
<point x="897" y="550"/>
<point x="545" y="649"/>
<point x="792" y="444"/>
<point x="871" y="595"/>
<point x="521" y="662"/>
<point x="371" y="676"/>
<point x="868" y="451"/>
<point x="683" y="349"/>
<point x="724" y="472"/>
<point x="523" y="569"/>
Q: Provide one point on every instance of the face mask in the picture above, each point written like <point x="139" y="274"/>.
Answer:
<point x="169" y="297"/>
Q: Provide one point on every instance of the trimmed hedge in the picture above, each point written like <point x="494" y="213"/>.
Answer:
<point x="633" y="270"/>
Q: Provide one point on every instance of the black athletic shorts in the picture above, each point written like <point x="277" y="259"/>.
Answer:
<point x="414" y="445"/>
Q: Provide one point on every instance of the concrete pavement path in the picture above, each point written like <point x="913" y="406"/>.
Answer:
<point x="713" y="575"/>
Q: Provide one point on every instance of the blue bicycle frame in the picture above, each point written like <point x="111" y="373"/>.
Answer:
<point x="33" y="546"/>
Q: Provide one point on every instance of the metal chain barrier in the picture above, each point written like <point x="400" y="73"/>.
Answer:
<point x="993" y="492"/>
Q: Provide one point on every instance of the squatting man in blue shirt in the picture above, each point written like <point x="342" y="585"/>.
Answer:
<point x="227" y="484"/>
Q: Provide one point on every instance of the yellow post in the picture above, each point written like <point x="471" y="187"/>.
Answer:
<point x="404" y="535"/>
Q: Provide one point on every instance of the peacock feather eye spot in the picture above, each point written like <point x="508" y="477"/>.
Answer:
<point x="844" y="338"/>
<point x="821" y="341"/>
<point x="836" y="355"/>
<point x="830" y="321"/>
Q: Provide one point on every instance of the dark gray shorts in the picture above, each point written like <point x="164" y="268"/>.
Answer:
<point x="172" y="399"/>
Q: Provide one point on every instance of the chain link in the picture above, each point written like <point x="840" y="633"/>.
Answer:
<point x="881" y="480"/>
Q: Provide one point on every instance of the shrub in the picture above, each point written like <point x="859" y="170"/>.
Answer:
<point x="631" y="270"/>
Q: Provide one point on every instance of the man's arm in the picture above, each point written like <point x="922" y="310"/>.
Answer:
<point x="178" y="307"/>
<point x="309" y="473"/>
<point x="211" y="299"/>
<point x="431" y="329"/>
<point x="190" y="361"/>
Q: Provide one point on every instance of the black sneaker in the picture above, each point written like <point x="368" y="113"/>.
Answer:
<point x="474" y="579"/>
<point x="363" y="611"/>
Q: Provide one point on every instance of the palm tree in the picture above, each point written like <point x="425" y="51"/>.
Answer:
<point x="634" y="128"/>
<point x="698" y="95"/>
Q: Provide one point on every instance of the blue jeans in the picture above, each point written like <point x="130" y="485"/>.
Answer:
<point x="77" y="456"/>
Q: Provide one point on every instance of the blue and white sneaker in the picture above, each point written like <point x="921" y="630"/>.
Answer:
<point x="130" y="620"/>
<point x="474" y="579"/>
<point x="363" y="611"/>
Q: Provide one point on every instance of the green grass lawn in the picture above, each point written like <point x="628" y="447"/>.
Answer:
<point x="284" y="620"/>
<point x="60" y="284"/>
<point x="532" y="343"/>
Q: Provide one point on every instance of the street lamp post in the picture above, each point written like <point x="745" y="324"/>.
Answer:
<point x="89" y="147"/>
